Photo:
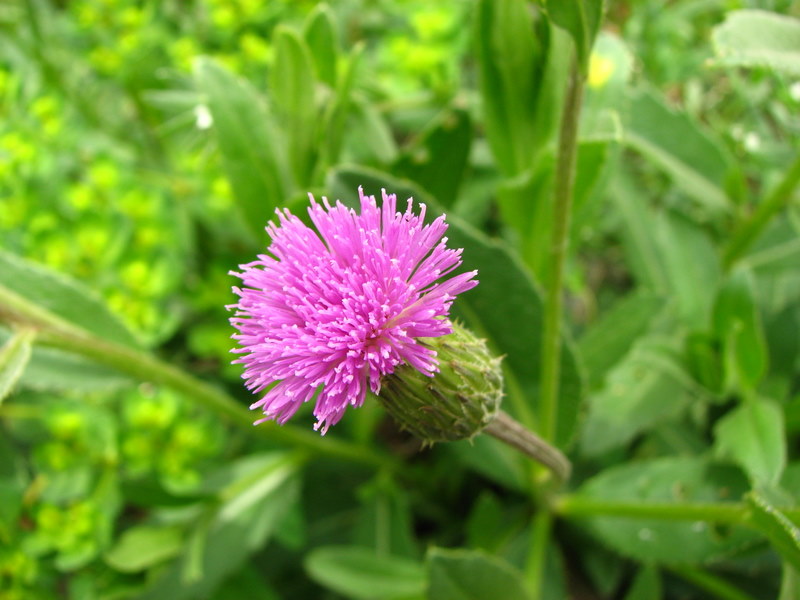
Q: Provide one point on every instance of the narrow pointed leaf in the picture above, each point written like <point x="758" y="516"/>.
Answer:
<point x="250" y="146"/>
<point x="758" y="38"/>
<point x="522" y="63"/>
<point x="292" y="92"/>
<point x="322" y="36"/>
<point x="57" y="298"/>
<point x="695" y="158"/>
<point x="14" y="357"/>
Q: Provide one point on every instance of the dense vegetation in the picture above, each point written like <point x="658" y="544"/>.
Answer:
<point x="144" y="145"/>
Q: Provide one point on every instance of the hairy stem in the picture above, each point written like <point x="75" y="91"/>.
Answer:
<point x="509" y="431"/>
<point x="562" y="210"/>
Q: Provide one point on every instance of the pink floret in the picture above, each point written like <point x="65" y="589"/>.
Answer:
<point x="330" y="312"/>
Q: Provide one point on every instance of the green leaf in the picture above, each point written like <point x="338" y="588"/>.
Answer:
<point x="14" y="481"/>
<point x="790" y="583"/>
<point x="703" y="360"/>
<point x="524" y="205"/>
<point x="758" y="38"/>
<point x="14" y="357"/>
<point x="606" y="341"/>
<point x="384" y="521"/>
<point x="322" y="36"/>
<point x="248" y="583"/>
<point x="694" y="158"/>
<point x="252" y="152"/>
<point x="374" y="138"/>
<point x="665" y="482"/>
<point x="646" y="585"/>
<point x="64" y="300"/>
<point x="361" y="573"/>
<point x="144" y="546"/>
<point x="470" y="575"/>
<point x="292" y="86"/>
<point x="688" y="256"/>
<point x="55" y="370"/>
<point x="780" y="531"/>
<point x="644" y="390"/>
<point x="780" y="257"/>
<point x="505" y="289"/>
<point x="737" y="324"/>
<point x="642" y="254"/>
<point x="493" y="524"/>
<point x="581" y="18"/>
<point x="522" y="64"/>
<point x="752" y="435"/>
<point x="336" y="113"/>
<point x="783" y="343"/>
<point x="437" y="158"/>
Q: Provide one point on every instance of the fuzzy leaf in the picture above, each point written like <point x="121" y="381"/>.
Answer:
<point x="362" y="574"/>
<point x="695" y="159"/>
<point x="470" y="575"/>
<point x="752" y="435"/>
<point x="758" y="38"/>
<point x="612" y="336"/>
<point x="14" y="357"/>
<point x="667" y="481"/>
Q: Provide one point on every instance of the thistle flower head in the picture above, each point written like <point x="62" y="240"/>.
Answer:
<point x="329" y="313"/>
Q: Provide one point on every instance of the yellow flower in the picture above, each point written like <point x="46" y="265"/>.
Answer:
<point x="600" y="70"/>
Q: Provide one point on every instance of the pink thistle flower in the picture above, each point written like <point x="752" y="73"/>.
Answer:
<point x="328" y="313"/>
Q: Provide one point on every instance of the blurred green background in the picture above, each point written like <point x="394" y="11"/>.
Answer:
<point x="145" y="144"/>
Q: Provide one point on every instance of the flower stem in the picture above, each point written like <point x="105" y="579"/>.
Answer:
<point x="507" y="430"/>
<point x="777" y="200"/>
<point x="562" y="209"/>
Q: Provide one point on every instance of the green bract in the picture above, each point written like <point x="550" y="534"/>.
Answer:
<point x="456" y="403"/>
